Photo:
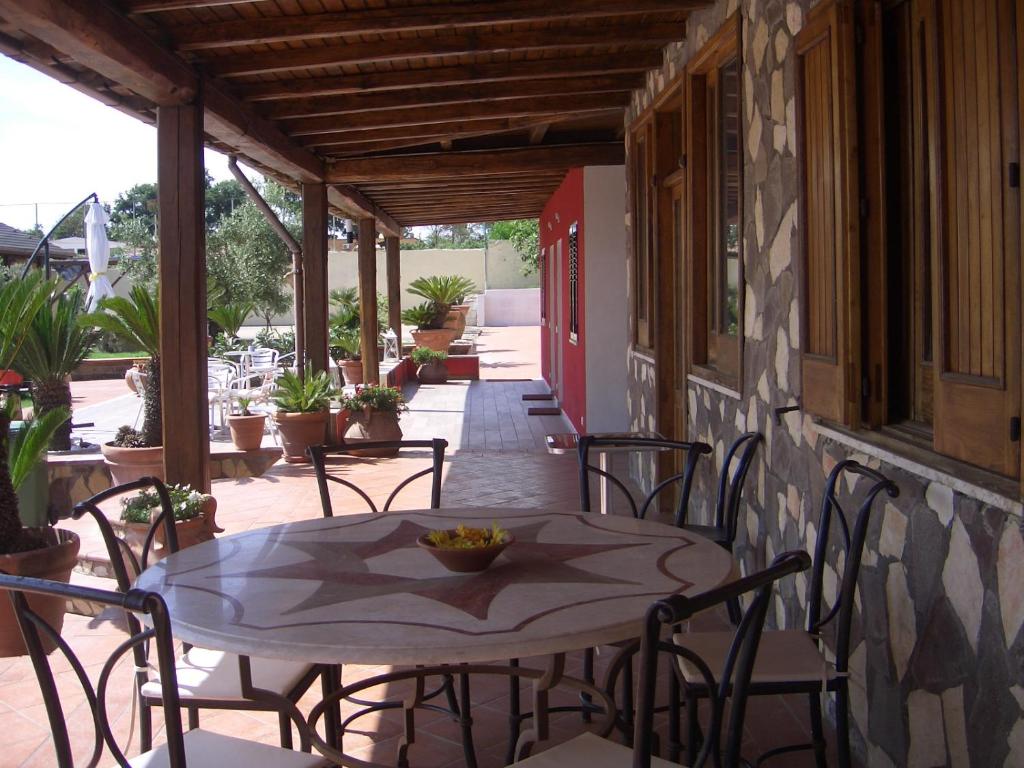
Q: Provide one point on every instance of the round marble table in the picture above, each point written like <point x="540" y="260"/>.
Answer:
<point x="358" y="590"/>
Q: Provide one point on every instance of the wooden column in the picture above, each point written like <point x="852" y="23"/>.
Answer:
<point x="314" y="273"/>
<point x="368" y="299"/>
<point x="391" y="249"/>
<point x="182" y="270"/>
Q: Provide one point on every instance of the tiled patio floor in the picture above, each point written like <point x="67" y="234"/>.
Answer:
<point x="495" y="459"/>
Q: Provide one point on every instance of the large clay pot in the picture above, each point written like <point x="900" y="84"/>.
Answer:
<point x="138" y="366"/>
<point x="436" y="339"/>
<point x="298" y="432"/>
<point x="434" y="372"/>
<point x="189" y="532"/>
<point x="456" y="321"/>
<point x="129" y="464"/>
<point x="247" y="431"/>
<point x="370" y="424"/>
<point x="54" y="563"/>
<point x="351" y="371"/>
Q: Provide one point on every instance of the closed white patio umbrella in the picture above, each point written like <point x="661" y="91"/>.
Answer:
<point x="98" y="248"/>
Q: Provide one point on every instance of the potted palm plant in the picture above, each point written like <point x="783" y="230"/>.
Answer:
<point x="302" y="412"/>
<point x="345" y="345"/>
<point x="445" y="292"/>
<point x="431" y="366"/>
<point x="373" y="413"/>
<point x="246" y="427"/>
<point x="55" y="345"/>
<point x="136" y="320"/>
<point x="45" y="552"/>
<point x="429" y="333"/>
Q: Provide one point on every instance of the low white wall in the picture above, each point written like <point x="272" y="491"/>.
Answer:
<point x="508" y="306"/>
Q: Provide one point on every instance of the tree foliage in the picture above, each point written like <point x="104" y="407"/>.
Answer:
<point x="136" y="207"/>
<point x="72" y="226"/>
<point x="524" y="234"/>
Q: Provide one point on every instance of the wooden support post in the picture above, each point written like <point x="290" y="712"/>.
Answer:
<point x="314" y="273"/>
<point x="394" y="266"/>
<point x="183" y="328"/>
<point x="368" y="299"/>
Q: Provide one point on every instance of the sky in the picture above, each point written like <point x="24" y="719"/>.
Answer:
<point x="58" y="145"/>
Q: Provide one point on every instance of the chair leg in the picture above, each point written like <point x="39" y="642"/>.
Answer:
<point x="284" y="724"/>
<point x="735" y="614"/>
<point x="692" y="729"/>
<point x="449" y="694"/>
<point x="514" y="714"/>
<point x="330" y="680"/>
<point x="674" y="713"/>
<point x="588" y="677"/>
<point x="817" y="731"/>
<point x="627" y="702"/>
<point x="193" y="718"/>
<point x="843" y="725"/>
<point x="145" y="726"/>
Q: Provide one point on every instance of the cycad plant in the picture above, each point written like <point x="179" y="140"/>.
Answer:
<point x="441" y="291"/>
<point x="55" y="345"/>
<point x="20" y="301"/>
<point x="231" y="317"/>
<point x="309" y="394"/>
<point x="136" y="320"/>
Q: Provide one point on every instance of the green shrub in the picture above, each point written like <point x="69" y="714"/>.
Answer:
<point x="423" y="356"/>
<point x="386" y="399"/>
<point x="186" y="503"/>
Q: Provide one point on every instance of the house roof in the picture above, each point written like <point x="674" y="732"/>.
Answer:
<point x="413" y="111"/>
<point x="15" y="243"/>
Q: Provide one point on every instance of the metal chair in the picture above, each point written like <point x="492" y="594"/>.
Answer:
<point x="730" y="681"/>
<point x="320" y="453"/>
<point x="792" y="660"/>
<point x="727" y="503"/>
<point x="206" y="679"/>
<point x="195" y="748"/>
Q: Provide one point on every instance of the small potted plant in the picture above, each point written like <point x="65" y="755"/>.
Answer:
<point x="345" y="350"/>
<point x="302" y="411"/>
<point x="430" y="366"/>
<point x="246" y="427"/>
<point x="194" y="521"/>
<point x="373" y="414"/>
<point x="429" y="332"/>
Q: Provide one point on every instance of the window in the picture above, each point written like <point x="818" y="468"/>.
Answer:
<point x="643" y="246"/>
<point x="924" y="340"/>
<point x="543" y="264"/>
<point x="715" y="178"/>
<point x="574" y="285"/>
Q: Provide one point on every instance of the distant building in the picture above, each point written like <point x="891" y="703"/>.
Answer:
<point x="16" y="246"/>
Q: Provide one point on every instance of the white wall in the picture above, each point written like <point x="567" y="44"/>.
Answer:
<point x="606" y="303"/>
<point x="508" y="306"/>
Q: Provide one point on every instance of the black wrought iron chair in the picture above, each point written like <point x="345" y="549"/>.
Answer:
<point x="206" y="679"/>
<point x="195" y="748"/>
<point x="731" y="482"/>
<point x="730" y="680"/>
<point x="690" y="453"/>
<point x="792" y="660"/>
<point x="321" y="453"/>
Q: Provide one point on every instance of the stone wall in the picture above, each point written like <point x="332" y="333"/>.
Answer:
<point x="937" y="645"/>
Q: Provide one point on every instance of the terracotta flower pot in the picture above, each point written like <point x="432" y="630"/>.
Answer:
<point x="371" y="425"/>
<point x="351" y="371"/>
<point x="247" y="431"/>
<point x="189" y="532"/>
<point x="129" y="464"/>
<point x="436" y="339"/>
<point x="434" y="372"/>
<point x="456" y="321"/>
<point x="298" y="432"/>
<point x="54" y="563"/>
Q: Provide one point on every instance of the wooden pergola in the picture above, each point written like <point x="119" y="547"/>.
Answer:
<point x="392" y="112"/>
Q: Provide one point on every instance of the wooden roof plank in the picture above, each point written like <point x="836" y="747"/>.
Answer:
<point x="356" y="204"/>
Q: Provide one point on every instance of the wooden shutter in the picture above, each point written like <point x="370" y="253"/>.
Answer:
<point x="828" y="216"/>
<point x="973" y="113"/>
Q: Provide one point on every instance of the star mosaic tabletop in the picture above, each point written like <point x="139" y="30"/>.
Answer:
<point x="357" y="589"/>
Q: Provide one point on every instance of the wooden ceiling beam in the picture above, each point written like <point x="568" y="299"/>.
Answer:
<point x="156" y="6"/>
<point x="505" y="108"/>
<point x="355" y="204"/>
<point x="455" y="16"/>
<point x="444" y="164"/>
<point x="453" y="94"/>
<point x="650" y="35"/>
<point x="476" y="216"/>
<point x="435" y="77"/>
<point x="383" y="192"/>
<point x="99" y="38"/>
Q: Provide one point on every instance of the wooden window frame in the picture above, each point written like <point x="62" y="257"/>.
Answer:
<point x="574" y="283"/>
<point x="713" y="355"/>
<point x="641" y="196"/>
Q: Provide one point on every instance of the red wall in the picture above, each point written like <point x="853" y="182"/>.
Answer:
<point x="563" y="208"/>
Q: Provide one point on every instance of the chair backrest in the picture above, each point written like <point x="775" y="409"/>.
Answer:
<point x="729" y="685"/>
<point x="691" y="451"/>
<point x="853" y="545"/>
<point x="263" y="358"/>
<point x="731" y="483"/>
<point x="320" y="453"/>
<point x="39" y="635"/>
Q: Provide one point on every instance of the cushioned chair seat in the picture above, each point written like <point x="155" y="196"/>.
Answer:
<point x="588" y="751"/>
<point x="206" y="674"/>
<point x="204" y="749"/>
<point x="786" y="655"/>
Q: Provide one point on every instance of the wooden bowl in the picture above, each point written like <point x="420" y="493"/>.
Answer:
<point x="465" y="560"/>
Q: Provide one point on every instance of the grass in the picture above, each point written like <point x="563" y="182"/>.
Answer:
<point x="111" y="355"/>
